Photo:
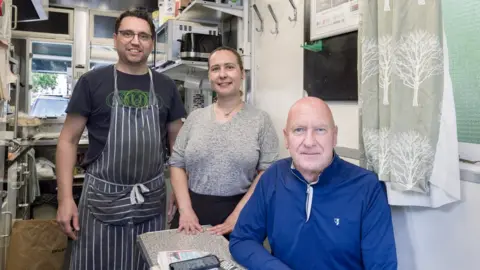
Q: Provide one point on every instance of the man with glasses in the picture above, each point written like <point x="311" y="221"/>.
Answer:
<point x="130" y="113"/>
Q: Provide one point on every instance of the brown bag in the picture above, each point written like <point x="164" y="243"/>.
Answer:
<point x="36" y="245"/>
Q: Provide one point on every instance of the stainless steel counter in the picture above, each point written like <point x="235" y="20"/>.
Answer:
<point x="50" y="142"/>
<point x="154" y="242"/>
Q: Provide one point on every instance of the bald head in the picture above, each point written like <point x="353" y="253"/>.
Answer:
<point x="310" y="136"/>
<point x="313" y="106"/>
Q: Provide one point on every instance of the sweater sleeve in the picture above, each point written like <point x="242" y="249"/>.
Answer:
<point x="268" y="141"/>
<point x="378" y="241"/>
<point x="246" y="240"/>
<point x="177" y="158"/>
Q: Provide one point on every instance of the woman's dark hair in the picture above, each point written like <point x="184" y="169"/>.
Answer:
<point x="141" y="14"/>
<point x="232" y="50"/>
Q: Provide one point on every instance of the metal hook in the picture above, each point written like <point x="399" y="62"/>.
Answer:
<point x="294" y="12"/>
<point x="275" y="19"/>
<point x="259" y="17"/>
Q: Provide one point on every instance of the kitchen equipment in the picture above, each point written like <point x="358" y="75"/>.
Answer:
<point x="171" y="32"/>
<point x="198" y="101"/>
<point x="197" y="47"/>
<point x="37" y="128"/>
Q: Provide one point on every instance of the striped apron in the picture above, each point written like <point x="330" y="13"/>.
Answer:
<point x="123" y="192"/>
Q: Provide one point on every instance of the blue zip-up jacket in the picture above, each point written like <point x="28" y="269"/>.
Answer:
<point x="343" y="221"/>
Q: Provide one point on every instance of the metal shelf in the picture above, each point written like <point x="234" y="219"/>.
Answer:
<point x="180" y="69"/>
<point x="50" y="142"/>
<point x="75" y="177"/>
<point x="197" y="11"/>
<point x="209" y="12"/>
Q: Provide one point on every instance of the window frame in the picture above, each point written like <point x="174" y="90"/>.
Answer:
<point x="49" y="57"/>
<point x="45" y="35"/>
<point x="469" y="151"/>
<point x="97" y="12"/>
<point x="28" y="51"/>
<point x="466" y="150"/>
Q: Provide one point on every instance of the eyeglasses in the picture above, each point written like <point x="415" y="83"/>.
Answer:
<point x="129" y="35"/>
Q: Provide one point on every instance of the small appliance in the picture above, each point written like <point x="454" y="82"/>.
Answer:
<point x="197" y="46"/>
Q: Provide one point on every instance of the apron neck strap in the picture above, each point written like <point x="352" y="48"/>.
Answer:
<point x="152" y="100"/>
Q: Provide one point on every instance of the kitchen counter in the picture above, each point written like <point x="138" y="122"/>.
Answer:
<point x="153" y="242"/>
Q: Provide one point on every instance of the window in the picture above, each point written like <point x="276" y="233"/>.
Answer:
<point x="461" y="23"/>
<point x="54" y="49"/>
<point x="102" y="26"/>
<point x="50" y="65"/>
<point x="46" y="106"/>
<point x="50" y="69"/>
<point x="51" y="57"/>
<point x="59" y="25"/>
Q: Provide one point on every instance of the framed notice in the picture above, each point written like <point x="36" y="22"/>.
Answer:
<point x="332" y="17"/>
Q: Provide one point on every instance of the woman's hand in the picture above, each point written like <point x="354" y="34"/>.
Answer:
<point x="188" y="222"/>
<point x="226" y="227"/>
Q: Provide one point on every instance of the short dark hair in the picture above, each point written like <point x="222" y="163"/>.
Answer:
<point x="232" y="50"/>
<point x="137" y="14"/>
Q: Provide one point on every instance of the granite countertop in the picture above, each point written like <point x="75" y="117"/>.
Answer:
<point x="153" y="242"/>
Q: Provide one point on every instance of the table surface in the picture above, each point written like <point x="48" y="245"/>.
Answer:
<point x="153" y="242"/>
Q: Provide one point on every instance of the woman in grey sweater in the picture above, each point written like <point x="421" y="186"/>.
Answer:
<point x="220" y="152"/>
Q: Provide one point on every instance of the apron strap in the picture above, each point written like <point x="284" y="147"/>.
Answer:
<point x="152" y="100"/>
<point x="116" y="95"/>
<point x="136" y="195"/>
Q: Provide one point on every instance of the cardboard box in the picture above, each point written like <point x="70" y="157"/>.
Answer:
<point x="36" y="245"/>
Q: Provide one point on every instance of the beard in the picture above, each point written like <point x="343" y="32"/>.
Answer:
<point x="134" y="61"/>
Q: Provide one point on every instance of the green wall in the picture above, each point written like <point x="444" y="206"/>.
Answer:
<point x="462" y="27"/>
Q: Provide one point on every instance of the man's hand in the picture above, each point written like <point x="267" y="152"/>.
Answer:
<point x="226" y="227"/>
<point x="172" y="207"/>
<point x="66" y="157"/>
<point x="67" y="214"/>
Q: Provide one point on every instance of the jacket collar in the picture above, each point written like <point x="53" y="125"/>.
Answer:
<point x="327" y="177"/>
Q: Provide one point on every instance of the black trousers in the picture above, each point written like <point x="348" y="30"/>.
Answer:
<point x="210" y="210"/>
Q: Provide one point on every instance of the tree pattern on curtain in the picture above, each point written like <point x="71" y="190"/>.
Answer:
<point x="400" y="64"/>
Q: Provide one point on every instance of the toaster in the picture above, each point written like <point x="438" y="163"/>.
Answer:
<point x="198" y="46"/>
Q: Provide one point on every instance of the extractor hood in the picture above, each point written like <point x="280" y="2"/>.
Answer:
<point x="31" y="10"/>
<point x="149" y="5"/>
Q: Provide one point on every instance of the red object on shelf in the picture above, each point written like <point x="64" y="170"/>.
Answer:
<point x="1" y="7"/>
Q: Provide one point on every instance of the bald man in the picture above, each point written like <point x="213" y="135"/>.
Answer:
<point x="317" y="210"/>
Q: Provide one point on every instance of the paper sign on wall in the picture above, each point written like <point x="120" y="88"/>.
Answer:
<point x="332" y="17"/>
